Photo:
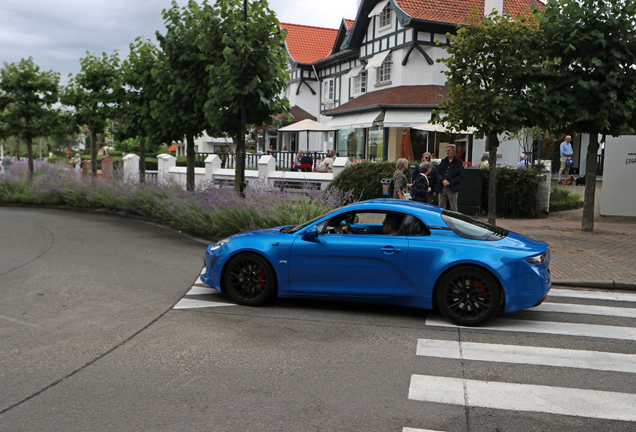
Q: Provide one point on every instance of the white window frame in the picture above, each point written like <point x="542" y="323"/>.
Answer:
<point x="328" y="87"/>
<point x="385" y="16"/>
<point x="360" y="83"/>
<point x="384" y="71"/>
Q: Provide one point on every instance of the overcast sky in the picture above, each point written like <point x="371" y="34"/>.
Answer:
<point x="57" y="33"/>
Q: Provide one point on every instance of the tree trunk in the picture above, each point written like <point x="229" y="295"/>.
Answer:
<point x="142" y="160"/>
<point x="190" y="160"/>
<point x="587" y="223"/>
<point x="493" y="144"/>
<point x="29" y="145"/>
<point x="93" y="152"/>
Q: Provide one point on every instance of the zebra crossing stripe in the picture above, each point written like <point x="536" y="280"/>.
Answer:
<point x="527" y="326"/>
<point x="585" y="309"/>
<point x="596" y="360"/>
<point x="524" y="397"/>
<point x="201" y="290"/>
<point x="408" y="429"/>
<point x="594" y="295"/>
<point x="193" y="304"/>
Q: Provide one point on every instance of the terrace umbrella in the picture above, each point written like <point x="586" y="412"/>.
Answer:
<point x="406" y="150"/>
<point x="307" y="125"/>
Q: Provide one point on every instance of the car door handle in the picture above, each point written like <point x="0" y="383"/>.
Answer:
<point x="390" y="249"/>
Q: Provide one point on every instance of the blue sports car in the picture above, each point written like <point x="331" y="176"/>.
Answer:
<point x="386" y="251"/>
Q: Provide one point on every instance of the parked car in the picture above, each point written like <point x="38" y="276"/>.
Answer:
<point x="386" y="251"/>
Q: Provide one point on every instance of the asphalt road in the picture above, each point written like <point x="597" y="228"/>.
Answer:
<point x="90" y="341"/>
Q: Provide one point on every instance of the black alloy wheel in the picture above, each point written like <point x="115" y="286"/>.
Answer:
<point x="249" y="279"/>
<point x="468" y="296"/>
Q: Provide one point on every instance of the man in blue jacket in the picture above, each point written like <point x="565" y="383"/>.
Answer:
<point x="450" y="173"/>
<point x="566" y="152"/>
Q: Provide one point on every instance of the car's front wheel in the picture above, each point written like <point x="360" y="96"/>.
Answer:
<point x="468" y="296"/>
<point x="249" y="279"/>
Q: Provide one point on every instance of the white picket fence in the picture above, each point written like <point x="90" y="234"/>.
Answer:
<point x="265" y="176"/>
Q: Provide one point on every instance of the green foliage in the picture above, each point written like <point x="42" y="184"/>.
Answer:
<point x="562" y="197"/>
<point x="516" y="192"/>
<point x="130" y="145"/>
<point x="363" y="179"/>
<point x="27" y="99"/>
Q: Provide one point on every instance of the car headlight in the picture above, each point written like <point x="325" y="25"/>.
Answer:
<point x="219" y="243"/>
<point x="538" y="259"/>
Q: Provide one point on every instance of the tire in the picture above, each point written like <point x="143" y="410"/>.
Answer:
<point x="468" y="296"/>
<point x="249" y="279"/>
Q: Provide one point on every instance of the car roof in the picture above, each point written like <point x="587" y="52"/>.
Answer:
<point x="430" y="213"/>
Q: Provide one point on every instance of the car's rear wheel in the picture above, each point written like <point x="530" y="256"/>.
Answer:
<point x="249" y="279"/>
<point x="468" y="296"/>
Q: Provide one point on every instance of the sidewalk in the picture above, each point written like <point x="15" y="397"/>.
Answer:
<point x="605" y="258"/>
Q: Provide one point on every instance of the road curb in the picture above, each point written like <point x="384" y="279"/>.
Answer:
<point x="607" y="285"/>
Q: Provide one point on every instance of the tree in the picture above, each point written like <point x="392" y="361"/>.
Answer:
<point x="488" y="77"/>
<point x="93" y="94"/>
<point x="588" y="76"/>
<point x="136" y="117"/>
<point x="247" y="68"/>
<point x="183" y="81"/>
<point x="27" y="98"/>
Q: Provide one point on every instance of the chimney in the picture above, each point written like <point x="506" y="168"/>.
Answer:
<point x="489" y="5"/>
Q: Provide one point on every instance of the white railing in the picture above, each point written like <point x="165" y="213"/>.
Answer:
<point x="265" y="176"/>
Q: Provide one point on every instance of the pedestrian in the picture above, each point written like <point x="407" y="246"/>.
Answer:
<point x="297" y="160"/>
<point x="6" y="165"/>
<point x="399" y="179"/>
<point x="77" y="161"/>
<point x="306" y="162"/>
<point x="432" y="176"/>
<point x="522" y="162"/>
<point x="484" y="162"/>
<point x="421" y="187"/>
<point x="450" y="173"/>
<point x="565" y="152"/>
<point x="327" y="163"/>
<point x="292" y="145"/>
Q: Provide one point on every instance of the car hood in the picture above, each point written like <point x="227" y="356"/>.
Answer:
<point x="268" y="231"/>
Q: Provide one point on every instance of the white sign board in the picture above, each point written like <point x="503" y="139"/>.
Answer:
<point x="619" y="177"/>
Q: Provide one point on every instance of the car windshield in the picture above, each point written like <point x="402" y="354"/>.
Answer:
<point x="472" y="228"/>
<point x="293" y="229"/>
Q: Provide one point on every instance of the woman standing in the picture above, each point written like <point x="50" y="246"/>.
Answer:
<point x="399" y="179"/>
<point x="78" y="164"/>
<point x="421" y="186"/>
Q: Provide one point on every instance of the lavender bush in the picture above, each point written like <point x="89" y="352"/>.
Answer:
<point x="208" y="212"/>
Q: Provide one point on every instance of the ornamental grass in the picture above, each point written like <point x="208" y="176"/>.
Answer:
<point x="210" y="212"/>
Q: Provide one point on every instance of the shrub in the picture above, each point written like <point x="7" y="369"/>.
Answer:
<point x="208" y="212"/>
<point x="363" y="179"/>
<point x="563" y="199"/>
<point x="516" y="192"/>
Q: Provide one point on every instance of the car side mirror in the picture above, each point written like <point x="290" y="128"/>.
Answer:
<point x="311" y="234"/>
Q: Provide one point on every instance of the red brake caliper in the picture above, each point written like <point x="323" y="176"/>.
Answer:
<point x="481" y="291"/>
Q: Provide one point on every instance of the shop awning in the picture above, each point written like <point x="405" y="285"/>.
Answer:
<point x="354" y="72"/>
<point x="377" y="10"/>
<point x="406" y="118"/>
<point x="352" y="121"/>
<point x="441" y="128"/>
<point x="376" y="61"/>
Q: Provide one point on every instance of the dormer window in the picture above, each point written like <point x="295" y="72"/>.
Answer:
<point x="385" y="16"/>
<point x="384" y="75"/>
<point x="327" y="89"/>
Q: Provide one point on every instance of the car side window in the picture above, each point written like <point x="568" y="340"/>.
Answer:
<point x="412" y="226"/>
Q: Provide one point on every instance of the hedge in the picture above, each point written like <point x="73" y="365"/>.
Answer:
<point x="364" y="179"/>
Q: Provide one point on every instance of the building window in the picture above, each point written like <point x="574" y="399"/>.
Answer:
<point x="385" y="70"/>
<point x="327" y="89"/>
<point x="385" y="17"/>
<point x="360" y="84"/>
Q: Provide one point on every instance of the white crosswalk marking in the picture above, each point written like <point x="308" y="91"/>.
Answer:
<point x="585" y="309"/>
<point x="195" y="304"/>
<point x="408" y="429"/>
<point x="571" y="329"/>
<point x="524" y="397"/>
<point x="517" y="396"/>
<point x="594" y="295"/>
<point x="615" y="362"/>
<point x="201" y="289"/>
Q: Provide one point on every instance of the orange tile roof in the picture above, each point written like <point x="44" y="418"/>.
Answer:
<point x="349" y="23"/>
<point x="173" y="148"/>
<point x="308" y="44"/>
<point x="458" y="11"/>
